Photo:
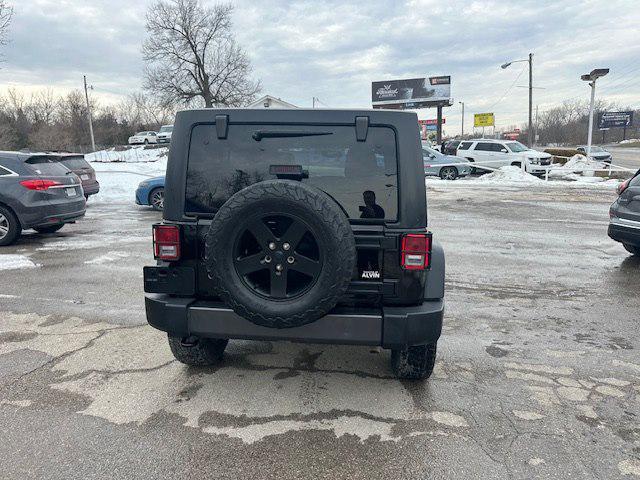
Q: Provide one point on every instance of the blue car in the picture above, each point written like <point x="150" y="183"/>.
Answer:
<point x="437" y="164"/>
<point x="151" y="192"/>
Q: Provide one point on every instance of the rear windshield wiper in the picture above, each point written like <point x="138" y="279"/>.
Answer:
<point x="260" y="134"/>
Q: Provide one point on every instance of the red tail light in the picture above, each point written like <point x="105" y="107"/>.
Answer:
<point x="416" y="251"/>
<point x="166" y="242"/>
<point x="39" y="184"/>
<point x="623" y="186"/>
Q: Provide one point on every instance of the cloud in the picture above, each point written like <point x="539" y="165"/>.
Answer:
<point x="334" y="49"/>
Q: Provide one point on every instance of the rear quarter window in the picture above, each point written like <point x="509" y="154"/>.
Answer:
<point x="360" y="176"/>
<point x="74" y="163"/>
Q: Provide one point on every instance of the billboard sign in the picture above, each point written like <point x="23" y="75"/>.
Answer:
<point x="411" y="93"/>
<point x="608" y="120"/>
<point x="431" y="121"/>
<point x="483" y="120"/>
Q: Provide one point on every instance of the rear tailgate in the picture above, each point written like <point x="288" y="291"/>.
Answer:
<point x="63" y="194"/>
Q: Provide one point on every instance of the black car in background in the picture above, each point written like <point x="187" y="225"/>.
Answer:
<point x="450" y="147"/>
<point x="38" y="192"/>
<point x="78" y="165"/>
<point x="624" y="225"/>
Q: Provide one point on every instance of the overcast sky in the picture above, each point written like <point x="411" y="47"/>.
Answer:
<point x="334" y="49"/>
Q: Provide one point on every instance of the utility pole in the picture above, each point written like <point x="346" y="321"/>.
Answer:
<point x="530" y="60"/>
<point x="531" y="138"/>
<point x="462" y="129"/>
<point x="313" y="102"/>
<point x="86" y="96"/>
<point x="535" y="138"/>
<point x="439" y="126"/>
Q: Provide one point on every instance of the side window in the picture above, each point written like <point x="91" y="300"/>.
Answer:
<point x="497" y="147"/>
<point x="484" y="147"/>
<point x="464" y="146"/>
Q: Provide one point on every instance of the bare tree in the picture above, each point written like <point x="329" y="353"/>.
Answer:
<point x="6" y="13"/>
<point x="192" y="55"/>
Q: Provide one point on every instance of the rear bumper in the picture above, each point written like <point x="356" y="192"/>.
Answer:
<point x="91" y="188"/>
<point x="625" y="233"/>
<point x="389" y="327"/>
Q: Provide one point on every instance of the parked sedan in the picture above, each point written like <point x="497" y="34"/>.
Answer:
<point x="624" y="225"/>
<point x="78" y="165"/>
<point x="151" y="192"/>
<point x="36" y="191"/>
<point x="436" y="164"/>
<point x="143" y="138"/>
<point x="597" y="153"/>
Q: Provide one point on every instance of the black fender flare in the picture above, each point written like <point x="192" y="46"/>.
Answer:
<point x="434" y="285"/>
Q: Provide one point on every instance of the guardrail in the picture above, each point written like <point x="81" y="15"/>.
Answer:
<point x="555" y="167"/>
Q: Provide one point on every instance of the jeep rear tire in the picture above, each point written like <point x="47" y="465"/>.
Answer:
<point x="281" y="253"/>
<point x="414" y="363"/>
<point x="197" y="352"/>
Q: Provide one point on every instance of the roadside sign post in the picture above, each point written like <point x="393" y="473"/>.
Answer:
<point x="484" y="120"/>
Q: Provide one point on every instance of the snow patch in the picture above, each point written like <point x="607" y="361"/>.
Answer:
<point x="119" y="181"/>
<point x="15" y="262"/>
<point x="112" y="256"/>
<point x="128" y="155"/>
<point x="508" y="174"/>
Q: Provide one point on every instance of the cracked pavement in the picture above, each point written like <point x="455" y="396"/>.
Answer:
<point x="537" y="376"/>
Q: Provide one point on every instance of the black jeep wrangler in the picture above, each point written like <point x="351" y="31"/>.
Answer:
<point x="299" y="225"/>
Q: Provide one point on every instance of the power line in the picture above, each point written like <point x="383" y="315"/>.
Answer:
<point x="508" y="89"/>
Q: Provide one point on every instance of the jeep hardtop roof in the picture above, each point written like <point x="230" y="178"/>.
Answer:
<point x="408" y="148"/>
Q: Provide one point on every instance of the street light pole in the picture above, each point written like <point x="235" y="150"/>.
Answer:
<point x="531" y="139"/>
<point x="593" y="99"/>
<point x="591" y="78"/>
<point x="86" y="96"/>
<point x="462" y="129"/>
<point x="530" y="61"/>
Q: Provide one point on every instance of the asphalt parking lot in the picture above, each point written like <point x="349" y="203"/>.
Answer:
<point x="538" y="372"/>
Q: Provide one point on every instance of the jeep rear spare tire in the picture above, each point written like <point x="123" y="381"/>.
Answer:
<point x="281" y="253"/>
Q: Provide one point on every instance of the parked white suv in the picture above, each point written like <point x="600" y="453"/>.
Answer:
<point x="143" y="137"/>
<point x="164" y="135"/>
<point x="499" y="153"/>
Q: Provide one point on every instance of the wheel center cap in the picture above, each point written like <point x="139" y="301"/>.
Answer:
<point x="278" y="255"/>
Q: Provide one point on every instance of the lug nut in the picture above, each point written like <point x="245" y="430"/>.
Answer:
<point x="286" y="246"/>
<point x="267" y="259"/>
<point x="272" y="246"/>
<point x="279" y="268"/>
<point x="290" y="259"/>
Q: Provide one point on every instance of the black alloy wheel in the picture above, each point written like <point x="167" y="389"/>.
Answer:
<point x="277" y="256"/>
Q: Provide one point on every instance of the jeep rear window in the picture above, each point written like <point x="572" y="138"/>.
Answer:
<point x="464" y="146"/>
<point x="360" y="176"/>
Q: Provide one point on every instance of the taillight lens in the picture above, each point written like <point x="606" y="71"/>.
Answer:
<point x="166" y="242"/>
<point x="39" y="184"/>
<point x="415" y="251"/>
<point x="623" y="186"/>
